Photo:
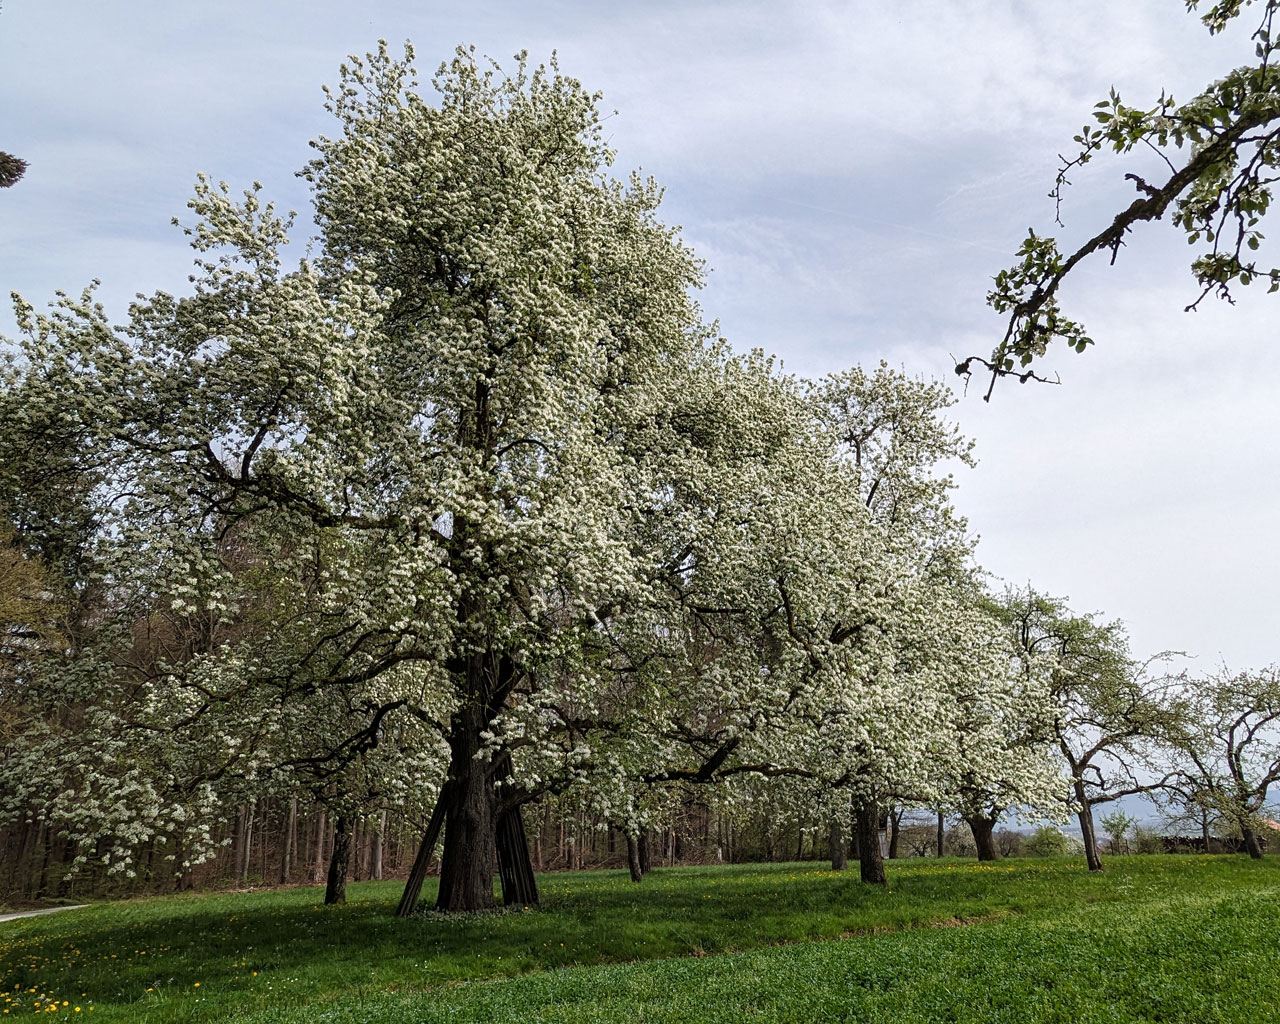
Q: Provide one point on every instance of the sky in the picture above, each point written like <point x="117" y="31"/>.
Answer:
<point x="853" y="174"/>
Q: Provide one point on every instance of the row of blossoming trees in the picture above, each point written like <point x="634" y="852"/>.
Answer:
<point x="475" y="510"/>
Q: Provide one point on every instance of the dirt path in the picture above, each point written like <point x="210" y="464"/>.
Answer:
<point x="37" y="913"/>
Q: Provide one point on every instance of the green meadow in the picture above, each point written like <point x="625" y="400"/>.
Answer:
<point x="1161" y="938"/>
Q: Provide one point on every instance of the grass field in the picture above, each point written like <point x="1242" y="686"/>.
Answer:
<point x="1194" y="939"/>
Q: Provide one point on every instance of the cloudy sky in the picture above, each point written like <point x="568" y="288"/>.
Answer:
<point x="853" y="173"/>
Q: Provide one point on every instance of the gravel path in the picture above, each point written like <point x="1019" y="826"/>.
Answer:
<point x="37" y="913"/>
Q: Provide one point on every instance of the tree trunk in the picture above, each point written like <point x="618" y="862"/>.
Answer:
<point x="317" y="859"/>
<point x="335" y="890"/>
<point x="1091" y="855"/>
<point x="633" y="858"/>
<point x="645" y="864"/>
<point x="237" y="845"/>
<point x="42" y="889"/>
<point x="895" y="818"/>
<point x="418" y="873"/>
<point x="942" y="834"/>
<point x="375" y="867"/>
<point x="290" y="837"/>
<point x="515" y="868"/>
<point x="1251" y="844"/>
<point x="982" y="827"/>
<point x="838" y="858"/>
<point x="466" y="866"/>
<point x="262" y="843"/>
<point x="869" y="859"/>
<point x="246" y="850"/>
<point x="358" y="833"/>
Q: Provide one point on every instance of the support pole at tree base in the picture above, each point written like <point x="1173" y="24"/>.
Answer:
<point x="519" y="886"/>
<point x="418" y="873"/>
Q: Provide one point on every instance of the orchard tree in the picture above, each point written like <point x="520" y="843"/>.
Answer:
<point x="1000" y="758"/>
<point x="1220" y="150"/>
<point x="1108" y="711"/>
<point x="1227" y="757"/>
<point x="491" y="473"/>
<point x="475" y="506"/>
<point x="892" y="437"/>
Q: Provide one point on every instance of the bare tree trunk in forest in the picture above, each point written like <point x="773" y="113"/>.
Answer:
<point x="262" y="845"/>
<point x="982" y="827"/>
<point x="288" y="840"/>
<point x="42" y="888"/>
<point x="542" y="834"/>
<point x="317" y="859"/>
<point x="335" y="890"/>
<point x="237" y="844"/>
<point x="869" y="859"/>
<point x="375" y="868"/>
<point x="1089" y="834"/>
<point x="942" y="834"/>
<point x="357" y="843"/>
<point x="246" y="845"/>
<point x="633" y="858"/>
<point x="838" y="858"/>
<point x="19" y="875"/>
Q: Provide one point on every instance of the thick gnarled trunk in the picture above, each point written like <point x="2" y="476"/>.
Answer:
<point x="470" y="819"/>
<point x="870" y="862"/>
<point x="478" y="832"/>
<point x="982" y="827"/>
